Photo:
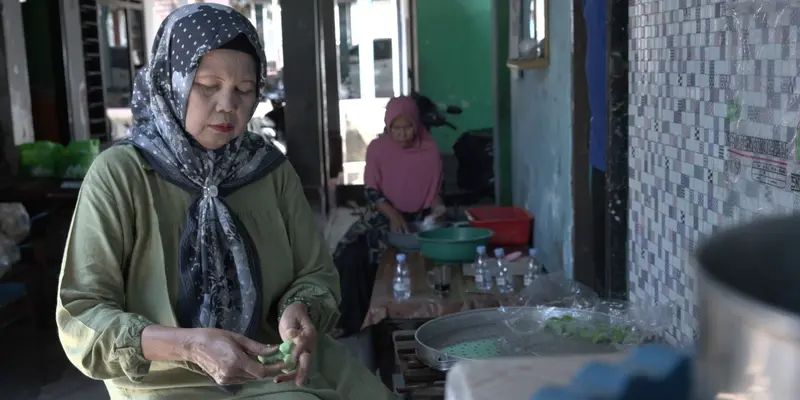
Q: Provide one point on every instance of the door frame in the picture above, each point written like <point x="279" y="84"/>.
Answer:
<point x="406" y="45"/>
<point x="616" y="271"/>
<point x="584" y="269"/>
<point x="413" y="48"/>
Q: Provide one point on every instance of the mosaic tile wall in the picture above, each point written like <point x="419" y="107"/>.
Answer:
<point x="713" y="114"/>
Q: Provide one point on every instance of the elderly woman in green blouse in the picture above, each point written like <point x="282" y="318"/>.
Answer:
<point x="193" y="250"/>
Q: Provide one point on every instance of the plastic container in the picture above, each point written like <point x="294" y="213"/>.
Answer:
<point x="511" y="225"/>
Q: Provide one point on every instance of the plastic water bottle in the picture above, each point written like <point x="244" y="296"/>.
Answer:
<point x="402" y="279"/>
<point x="483" y="272"/>
<point x="503" y="279"/>
<point x="534" y="268"/>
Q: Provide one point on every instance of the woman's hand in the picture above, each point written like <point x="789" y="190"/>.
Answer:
<point x="398" y="224"/>
<point x="438" y="209"/>
<point x="396" y="221"/>
<point x="227" y="357"/>
<point x="297" y="327"/>
<point x="439" y="212"/>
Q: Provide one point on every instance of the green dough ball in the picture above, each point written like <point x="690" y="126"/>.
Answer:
<point x="555" y="325"/>
<point x="286" y="347"/>
<point x="269" y="359"/>
<point x="587" y="332"/>
<point x="601" y="338"/>
<point x="618" y="335"/>
<point x="284" y="353"/>
<point x="289" y="363"/>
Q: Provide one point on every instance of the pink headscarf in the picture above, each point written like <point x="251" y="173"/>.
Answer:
<point x="409" y="177"/>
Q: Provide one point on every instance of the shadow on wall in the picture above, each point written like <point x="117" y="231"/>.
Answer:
<point x="541" y="141"/>
<point x="355" y="145"/>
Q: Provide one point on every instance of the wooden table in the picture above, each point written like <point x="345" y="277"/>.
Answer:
<point x="386" y="315"/>
<point x="424" y="302"/>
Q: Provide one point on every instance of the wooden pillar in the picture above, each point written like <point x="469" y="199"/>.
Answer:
<point x="16" y="125"/>
<point x="304" y="77"/>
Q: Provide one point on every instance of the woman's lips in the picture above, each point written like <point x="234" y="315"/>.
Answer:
<point x="224" y="128"/>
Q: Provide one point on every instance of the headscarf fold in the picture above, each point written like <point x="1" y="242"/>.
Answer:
<point x="408" y="177"/>
<point x="220" y="283"/>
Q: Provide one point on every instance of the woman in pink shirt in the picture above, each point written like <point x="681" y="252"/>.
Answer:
<point x="402" y="180"/>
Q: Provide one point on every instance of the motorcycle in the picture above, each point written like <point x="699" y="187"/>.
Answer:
<point x="473" y="151"/>
<point x="430" y="114"/>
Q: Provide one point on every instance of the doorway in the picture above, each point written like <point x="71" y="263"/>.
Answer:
<point x="423" y="53"/>
<point x="453" y="47"/>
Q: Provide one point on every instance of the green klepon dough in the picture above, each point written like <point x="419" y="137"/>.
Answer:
<point x="567" y="326"/>
<point x="288" y="361"/>
<point x="475" y="350"/>
<point x="286" y="347"/>
<point x="284" y="355"/>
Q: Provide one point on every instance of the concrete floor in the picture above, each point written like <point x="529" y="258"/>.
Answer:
<point x="33" y="366"/>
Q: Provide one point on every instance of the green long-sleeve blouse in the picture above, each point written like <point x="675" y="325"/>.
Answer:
<point x="120" y="273"/>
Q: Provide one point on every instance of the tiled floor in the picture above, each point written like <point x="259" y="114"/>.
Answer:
<point x="34" y="367"/>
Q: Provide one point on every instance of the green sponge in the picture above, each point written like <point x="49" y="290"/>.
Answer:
<point x="284" y="355"/>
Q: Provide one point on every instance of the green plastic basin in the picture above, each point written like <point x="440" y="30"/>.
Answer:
<point x="454" y="245"/>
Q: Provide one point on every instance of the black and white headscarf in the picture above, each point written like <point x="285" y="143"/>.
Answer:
<point x="219" y="269"/>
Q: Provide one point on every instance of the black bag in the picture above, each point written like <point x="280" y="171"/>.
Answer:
<point x="474" y="151"/>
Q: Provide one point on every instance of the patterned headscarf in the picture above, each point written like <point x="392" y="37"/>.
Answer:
<point x="220" y="283"/>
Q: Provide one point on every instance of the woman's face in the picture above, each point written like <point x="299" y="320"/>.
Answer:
<point x="222" y="97"/>
<point x="402" y="131"/>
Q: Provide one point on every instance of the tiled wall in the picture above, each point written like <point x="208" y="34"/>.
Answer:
<point x="713" y="114"/>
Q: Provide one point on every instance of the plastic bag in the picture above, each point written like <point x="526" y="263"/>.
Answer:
<point x="9" y="252"/>
<point x="77" y="158"/>
<point x="15" y="224"/>
<point x="40" y="159"/>
<point x="550" y="290"/>
<point x="555" y="290"/>
<point x="555" y="307"/>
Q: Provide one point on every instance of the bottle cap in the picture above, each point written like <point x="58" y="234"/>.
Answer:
<point x="400" y="257"/>
<point x="532" y="252"/>
<point x="480" y="249"/>
<point x="499" y="252"/>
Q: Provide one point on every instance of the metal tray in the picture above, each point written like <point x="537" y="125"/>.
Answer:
<point x="512" y="332"/>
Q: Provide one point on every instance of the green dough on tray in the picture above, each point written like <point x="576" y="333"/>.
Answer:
<point x="567" y="326"/>
<point x="284" y="355"/>
<point x="474" y="350"/>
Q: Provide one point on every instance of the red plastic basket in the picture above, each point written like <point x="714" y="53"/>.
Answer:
<point x="511" y="225"/>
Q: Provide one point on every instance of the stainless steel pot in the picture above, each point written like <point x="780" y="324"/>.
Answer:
<point x="749" y="312"/>
<point x="407" y="242"/>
